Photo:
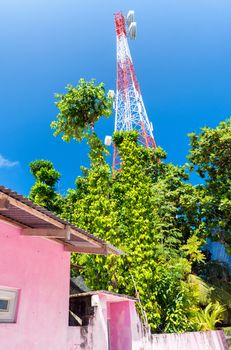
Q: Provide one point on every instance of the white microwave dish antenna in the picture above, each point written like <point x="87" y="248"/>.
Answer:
<point x="132" y="30"/>
<point x="130" y="17"/>
<point x="108" y="140"/>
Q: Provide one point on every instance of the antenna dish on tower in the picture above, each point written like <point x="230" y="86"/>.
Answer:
<point x="131" y="25"/>
<point x="132" y="30"/>
<point x="108" y="140"/>
<point x="111" y="93"/>
<point x="130" y="17"/>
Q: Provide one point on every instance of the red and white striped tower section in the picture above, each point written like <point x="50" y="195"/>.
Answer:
<point x="130" y="112"/>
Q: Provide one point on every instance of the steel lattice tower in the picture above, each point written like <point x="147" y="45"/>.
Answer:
<point x="130" y="112"/>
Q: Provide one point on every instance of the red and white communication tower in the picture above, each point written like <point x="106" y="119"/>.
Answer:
<point x="130" y="112"/>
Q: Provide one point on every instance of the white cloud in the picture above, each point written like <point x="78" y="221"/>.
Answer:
<point x="5" y="163"/>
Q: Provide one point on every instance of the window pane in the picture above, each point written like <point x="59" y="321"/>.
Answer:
<point x="4" y="305"/>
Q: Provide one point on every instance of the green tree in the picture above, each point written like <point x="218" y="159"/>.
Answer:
<point x="43" y="191"/>
<point x="80" y="108"/>
<point x="210" y="156"/>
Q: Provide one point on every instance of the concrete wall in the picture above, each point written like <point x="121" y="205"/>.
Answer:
<point x="94" y="336"/>
<point x="213" y="340"/>
<point x="39" y="268"/>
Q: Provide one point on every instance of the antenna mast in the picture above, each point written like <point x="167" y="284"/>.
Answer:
<point x="130" y="112"/>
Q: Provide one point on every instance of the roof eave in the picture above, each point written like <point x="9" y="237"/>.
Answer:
<point x="10" y="200"/>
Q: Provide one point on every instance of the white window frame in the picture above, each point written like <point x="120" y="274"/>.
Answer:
<point x="11" y="296"/>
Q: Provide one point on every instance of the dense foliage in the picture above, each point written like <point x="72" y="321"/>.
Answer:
<point x="210" y="316"/>
<point x="210" y="155"/>
<point x="142" y="214"/>
<point x="80" y="108"/>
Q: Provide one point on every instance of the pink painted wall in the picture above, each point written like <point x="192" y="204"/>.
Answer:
<point x="39" y="268"/>
<point x="120" y="326"/>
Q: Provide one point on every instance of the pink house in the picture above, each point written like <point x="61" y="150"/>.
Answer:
<point x="37" y="311"/>
<point x="35" y="248"/>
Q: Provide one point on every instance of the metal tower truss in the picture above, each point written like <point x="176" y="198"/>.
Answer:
<point x="130" y="112"/>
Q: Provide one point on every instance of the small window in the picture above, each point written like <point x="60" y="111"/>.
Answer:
<point x="80" y="311"/>
<point x="8" y="305"/>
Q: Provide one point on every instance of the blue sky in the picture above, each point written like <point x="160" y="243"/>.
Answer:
<point x="182" y="59"/>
